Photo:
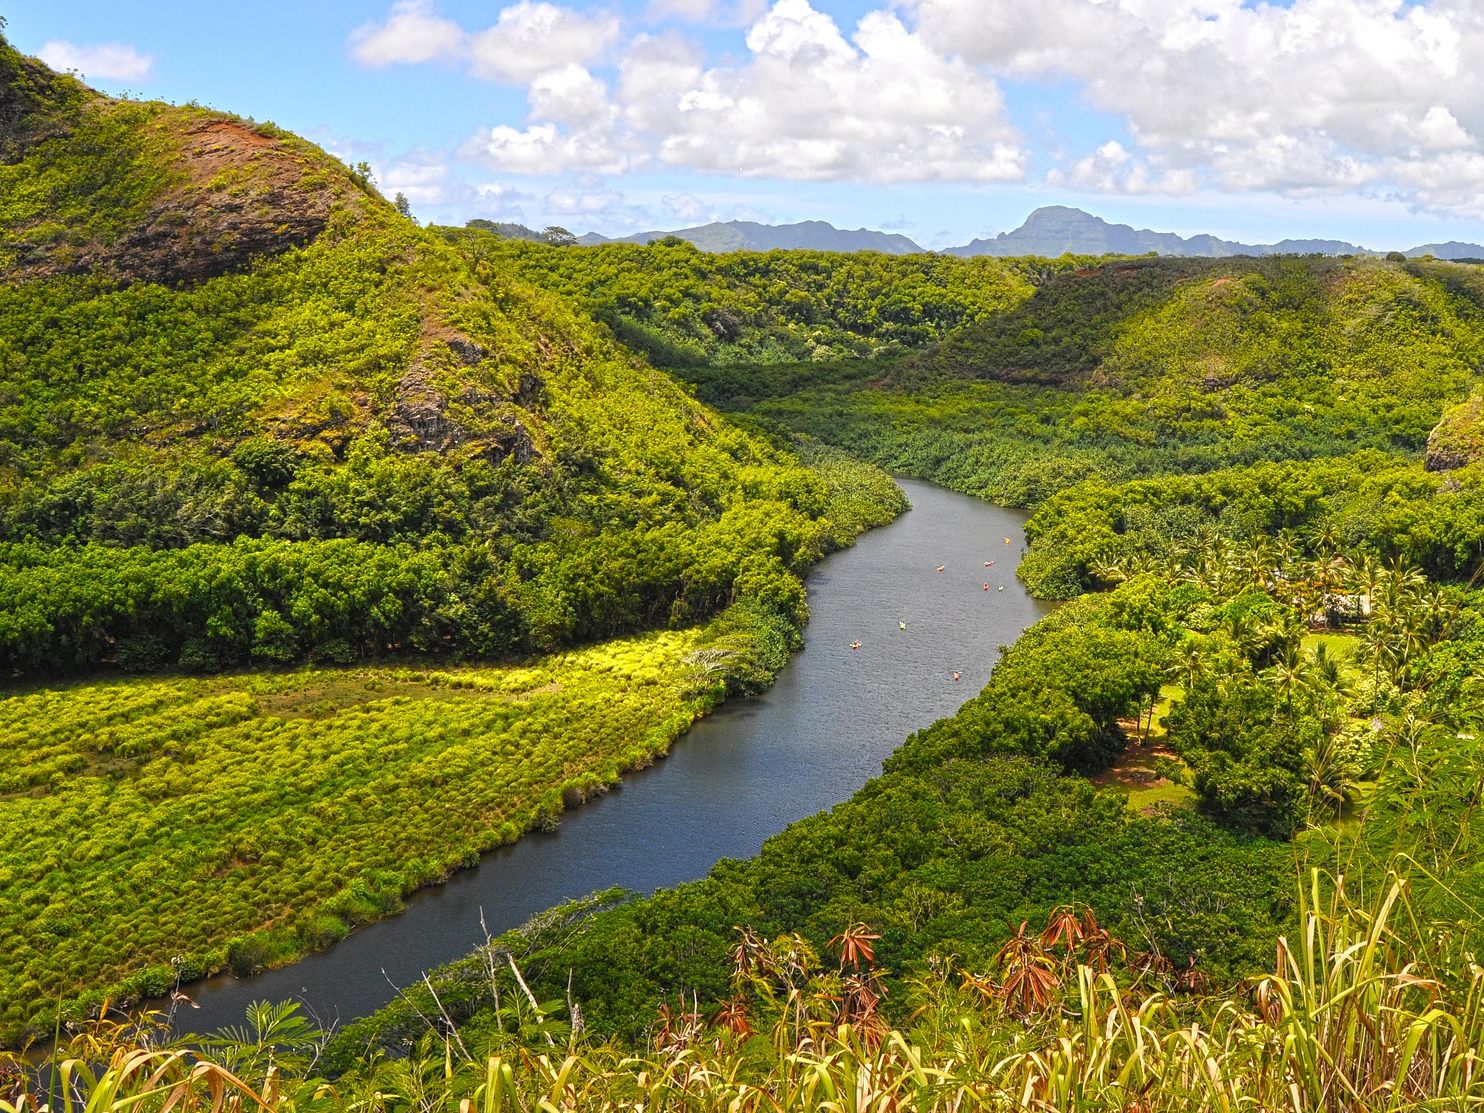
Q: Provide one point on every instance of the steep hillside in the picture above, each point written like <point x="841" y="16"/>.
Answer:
<point x="223" y="355"/>
<point x="90" y="185"/>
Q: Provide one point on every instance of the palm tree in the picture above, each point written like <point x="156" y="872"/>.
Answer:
<point x="1325" y="541"/>
<point x="1290" y="674"/>
<point x="1364" y="578"/>
<point x="1190" y="666"/>
<point x="1439" y="612"/>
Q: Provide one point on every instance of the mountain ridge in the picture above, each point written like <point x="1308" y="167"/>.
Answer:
<point x="1054" y="230"/>
<point x="749" y="235"/>
<point x="1049" y="231"/>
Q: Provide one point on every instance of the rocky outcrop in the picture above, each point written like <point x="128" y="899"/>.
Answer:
<point x="242" y="194"/>
<point x="424" y="419"/>
<point x="1458" y="439"/>
<point x="419" y="419"/>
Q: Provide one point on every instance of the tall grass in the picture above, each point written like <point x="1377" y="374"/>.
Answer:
<point x="1365" y="1008"/>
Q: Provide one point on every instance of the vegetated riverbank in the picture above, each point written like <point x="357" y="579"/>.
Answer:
<point x="239" y="822"/>
<point x="739" y="776"/>
<point x="986" y="820"/>
<point x="253" y="818"/>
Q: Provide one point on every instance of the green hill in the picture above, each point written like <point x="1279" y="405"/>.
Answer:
<point x="1116" y="369"/>
<point x="223" y="355"/>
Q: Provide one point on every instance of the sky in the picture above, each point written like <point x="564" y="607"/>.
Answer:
<point x="944" y="120"/>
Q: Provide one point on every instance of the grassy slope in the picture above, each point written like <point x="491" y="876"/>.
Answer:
<point x="233" y="821"/>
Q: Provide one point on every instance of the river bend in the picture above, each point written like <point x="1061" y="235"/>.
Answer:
<point x="739" y="776"/>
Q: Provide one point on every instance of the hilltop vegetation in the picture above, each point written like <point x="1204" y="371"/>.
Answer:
<point x="686" y="308"/>
<point x="1147" y="367"/>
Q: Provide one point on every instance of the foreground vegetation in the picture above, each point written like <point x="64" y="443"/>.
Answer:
<point x="1356" y="1013"/>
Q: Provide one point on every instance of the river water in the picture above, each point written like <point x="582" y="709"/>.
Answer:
<point x="740" y="775"/>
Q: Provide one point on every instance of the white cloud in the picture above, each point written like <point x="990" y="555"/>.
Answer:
<point x="1376" y="98"/>
<point x="806" y="103"/>
<point x="1112" y="168"/>
<point x="1319" y="95"/>
<point x="717" y="13"/>
<point x="570" y="95"/>
<point x="98" y="61"/>
<point x="547" y="149"/>
<point x="688" y="208"/>
<point x="572" y="200"/>
<point x="693" y="10"/>
<point x="412" y="33"/>
<point x="422" y="183"/>
<point x="803" y="102"/>
<point x="531" y="38"/>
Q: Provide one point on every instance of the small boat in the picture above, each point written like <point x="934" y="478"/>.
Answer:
<point x="1007" y="541"/>
<point x="855" y="645"/>
<point x="941" y="567"/>
<point x="955" y="676"/>
<point x="989" y="564"/>
<point x="901" y="626"/>
<point x="1000" y="588"/>
<point x="986" y="587"/>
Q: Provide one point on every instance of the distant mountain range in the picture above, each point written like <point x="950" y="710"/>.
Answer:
<point x="1056" y="230"/>
<point x="1050" y="231"/>
<point x="746" y="235"/>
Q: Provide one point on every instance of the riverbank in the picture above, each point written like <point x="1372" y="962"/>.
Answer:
<point x="742" y="774"/>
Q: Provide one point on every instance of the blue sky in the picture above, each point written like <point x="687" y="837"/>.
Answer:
<point x="941" y="119"/>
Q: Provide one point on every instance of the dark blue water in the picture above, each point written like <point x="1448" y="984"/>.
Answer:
<point x="739" y="776"/>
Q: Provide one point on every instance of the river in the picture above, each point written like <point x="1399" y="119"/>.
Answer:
<point x="740" y="775"/>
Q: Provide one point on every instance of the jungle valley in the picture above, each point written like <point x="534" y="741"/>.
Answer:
<point x="337" y="552"/>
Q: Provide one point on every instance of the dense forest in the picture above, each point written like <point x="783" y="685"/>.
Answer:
<point x="311" y="517"/>
<point x="686" y="308"/>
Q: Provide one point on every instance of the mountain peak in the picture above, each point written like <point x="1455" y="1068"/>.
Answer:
<point x="1054" y="230"/>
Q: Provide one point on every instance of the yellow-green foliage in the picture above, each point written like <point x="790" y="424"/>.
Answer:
<point x="377" y="386"/>
<point x="1357" y="1012"/>
<point x="1457" y="439"/>
<point x="151" y="829"/>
